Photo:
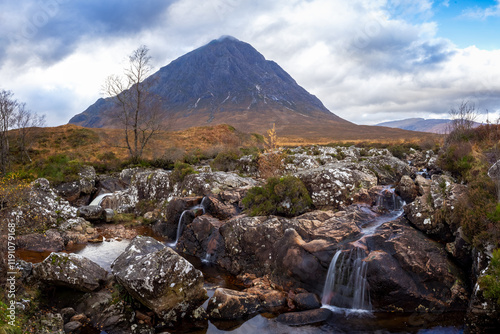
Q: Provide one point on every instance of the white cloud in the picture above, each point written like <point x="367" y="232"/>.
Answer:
<point x="482" y="13"/>
<point x="368" y="61"/>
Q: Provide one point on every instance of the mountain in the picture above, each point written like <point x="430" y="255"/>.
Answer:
<point x="440" y="126"/>
<point x="228" y="81"/>
<point x="419" y="124"/>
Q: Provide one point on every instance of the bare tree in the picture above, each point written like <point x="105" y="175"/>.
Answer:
<point x="462" y="120"/>
<point x="137" y="108"/>
<point x="8" y="107"/>
<point x="27" y="123"/>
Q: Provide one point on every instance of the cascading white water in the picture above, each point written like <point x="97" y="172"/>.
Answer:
<point x="346" y="285"/>
<point x="180" y="224"/>
<point x="98" y="200"/>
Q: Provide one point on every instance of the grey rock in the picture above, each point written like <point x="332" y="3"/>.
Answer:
<point x="160" y="279"/>
<point x="70" y="270"/>
<point x="92" y="213"/>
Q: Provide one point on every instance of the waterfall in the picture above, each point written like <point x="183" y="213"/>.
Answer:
<point x="346" y="285"/>
<point x="98" y="200"/>
<point x="179" y="225"/>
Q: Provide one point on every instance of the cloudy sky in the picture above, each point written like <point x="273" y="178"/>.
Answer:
<point x="368" y="60"/>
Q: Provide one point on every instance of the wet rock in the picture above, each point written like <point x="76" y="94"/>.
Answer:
<point x="271" y="301"/>
<point x="483" y="314"/>
<point x="160" y="279"/>
<point x="67" y="313"/>
<point x="109" y="184"/>
<point x="229" y="304"/>
<point x="407" y="189"/>
<point x="173" y="212"/>
<point x="73" y="327"/>
<point x="307" y="301"/>
<point x="388" y="169"/>
<point x="407" y="270"/>
<point x="224" y="205"/>
<point x="70" y="270"/>
<point x="461" y="249"/>
<point x="93" y="213"/>
<point x="50" y="241"/>
<point x="305" y="317"/>
<point x="334" y="185"/>
<point x="202" y="238"/>
<point x="105" y="312"/>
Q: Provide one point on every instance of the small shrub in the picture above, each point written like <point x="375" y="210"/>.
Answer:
<point x="286" y="196"/>
<point x="225" y="161"/>
<point x="181" y="170"/>
<point x="490" y="283"/>
<point x="457" y="159"/>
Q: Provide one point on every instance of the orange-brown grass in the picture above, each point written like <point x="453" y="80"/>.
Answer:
<point x="92" y="144"/>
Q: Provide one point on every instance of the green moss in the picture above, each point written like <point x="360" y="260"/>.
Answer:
<point x="286" y="196"/>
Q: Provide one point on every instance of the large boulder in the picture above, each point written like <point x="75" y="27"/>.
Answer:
<point x="431" y="212"/>
<point x="229" y="304"/>
<point x="407" y="189"/>
<point x="50" y="241"/>
<point x="388" y="169"/>
<point x="160" y="279"/>
<point x="106" y="312"/>
<point x="43" y="209"/>
<point x="215" y="182"/>
<point x="407" y="271"/>
<point x="334" y="185"/>
<point x="70" y="270"/>
<point x="93" y="213"/>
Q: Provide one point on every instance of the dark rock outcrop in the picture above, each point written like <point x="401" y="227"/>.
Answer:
<point x="407" y="271"/>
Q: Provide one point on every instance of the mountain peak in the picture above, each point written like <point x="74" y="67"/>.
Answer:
<point x="226" y="38"/>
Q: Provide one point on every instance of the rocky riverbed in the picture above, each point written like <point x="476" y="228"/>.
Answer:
<point x="415" y="265"/>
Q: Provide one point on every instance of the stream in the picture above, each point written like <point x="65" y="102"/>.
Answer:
<point x="345" y="291"/>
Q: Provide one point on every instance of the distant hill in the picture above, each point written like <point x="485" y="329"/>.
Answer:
<point x="420" y="124"/>
<point x="229" y="82"/>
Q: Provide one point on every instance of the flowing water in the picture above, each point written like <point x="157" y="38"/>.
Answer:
<point x="346" y="288"/>
<point x="345" y="292"/>
<point x="180" y="225"/>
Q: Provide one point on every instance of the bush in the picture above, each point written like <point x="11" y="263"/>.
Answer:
<point x="457" y="159"/>
<point x="286" y="196"/>
<point x="225" y="161"/>
<point x="181" y="170"/>
<point x="491" y="282"/>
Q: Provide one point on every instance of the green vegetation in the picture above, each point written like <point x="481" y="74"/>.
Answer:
<point x="490" y="283"/>
<point x="225" y="161"/>
<point x="181" y="170"/>
<point x="58" y="168"/>
<point x="467" y="155"/>
<point x="286" y="196"/>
